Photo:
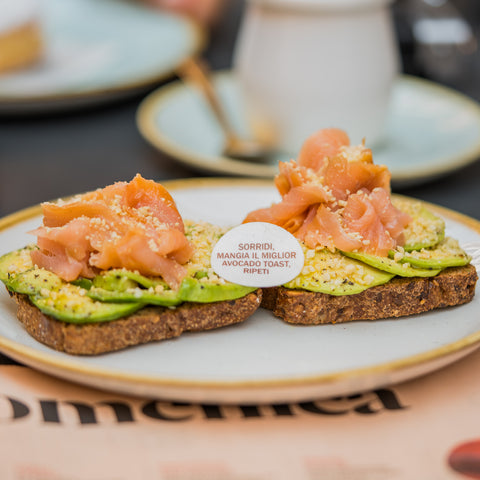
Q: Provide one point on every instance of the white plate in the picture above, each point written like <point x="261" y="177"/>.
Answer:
<point x="430" y="130"/>
<point x="263" y="359"/>
<point x="96" y="51"/>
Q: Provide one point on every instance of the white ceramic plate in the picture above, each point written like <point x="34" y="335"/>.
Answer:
<point x="263" y="359"/>
<point x="96" y="51"/>
<point x="430" y="130"/>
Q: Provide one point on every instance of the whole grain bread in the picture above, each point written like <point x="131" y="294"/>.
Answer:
<point x="147" y="325"/>
<point x="397" y="298"/>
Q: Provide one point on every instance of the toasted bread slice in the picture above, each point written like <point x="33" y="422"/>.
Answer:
<point x="399" y="297"/>
<point x="147" y="325"/>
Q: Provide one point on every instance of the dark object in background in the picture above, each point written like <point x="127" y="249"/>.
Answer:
<point x="439" y="40"/>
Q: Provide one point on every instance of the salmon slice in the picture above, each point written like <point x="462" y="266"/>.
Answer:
<point x="294" y="204"/>
<point x="322" y="144"/>
<point x="344" y="177"/>
<point x="336" y="197"/>
<point x="146" y="193"/>
<point x="379" y="223"/>
<point x="325" y="227"/>
<point x="64" y="251"/>
<point x="133" y="225"/>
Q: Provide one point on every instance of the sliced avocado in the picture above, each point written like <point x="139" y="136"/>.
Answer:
<point x="71" y="308"/>
<point x="122" y="279"/>
<point x="36" y="281"/>
<point x="120" y="285"/>
<point x="425" y="230"/>
<point x="200" y="274"/>
<point x="113" y="282"/>
<point x="65" y="301"/>
<point x="390" y="265"/>
<point x="194" y="290"/>
<point x="335" y="274"/>
<point x="191" y="290"/>
<point x="447" y="253"/>
<point x="85" y="283"/>
<point x="165" y="298"/>
<point x="15" y="262"/>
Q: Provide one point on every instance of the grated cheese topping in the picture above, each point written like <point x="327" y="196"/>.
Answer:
<point x="323" y="266"/>
<point x="425" y="227"/>
<point x="204" y="236"/>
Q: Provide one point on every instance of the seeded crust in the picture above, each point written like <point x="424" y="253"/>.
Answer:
<point x="397" y="298"/>
<point x="147" y="325"/>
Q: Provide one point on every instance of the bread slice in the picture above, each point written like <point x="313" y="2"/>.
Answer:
<point x="399" y="297"/>
<point x="147" y="325"/>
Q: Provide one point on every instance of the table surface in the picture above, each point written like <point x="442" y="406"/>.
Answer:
<point x="50" y="156"/>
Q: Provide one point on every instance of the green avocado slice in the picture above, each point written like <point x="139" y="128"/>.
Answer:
<point x="85" y="283"/>
<point x="390" y="265"/>
<point x="37" y="281"/>
<point x="334" y="274"/>
<point x="425" y="230"/>
<point x="65" y="301"/>
<point x="122" y="279"/>
<point x="82" y="310"/>
<point x="447" y="253"/>
<point x="194" y="290"/>
<point x="121" y="285"/>
<point x="126" y="286"/>
<point x="13" y="263"/>
<point x="166" y="298"/>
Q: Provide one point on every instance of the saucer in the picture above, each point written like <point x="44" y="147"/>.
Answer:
<point x="430" y="131"/>
<point x="97" y="51"/>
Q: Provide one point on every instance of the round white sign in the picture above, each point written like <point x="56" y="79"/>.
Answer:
<point x="257" y="254"/>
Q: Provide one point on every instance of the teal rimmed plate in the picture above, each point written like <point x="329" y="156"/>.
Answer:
<point x="430" y="130"/>
<point x="98" y="51"/>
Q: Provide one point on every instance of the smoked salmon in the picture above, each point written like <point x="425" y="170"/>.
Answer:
<point x="336" y="197"/>
<point x="134" y="225"/>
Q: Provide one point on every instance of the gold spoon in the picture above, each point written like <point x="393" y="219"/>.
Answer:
<point x="197" y="72"/>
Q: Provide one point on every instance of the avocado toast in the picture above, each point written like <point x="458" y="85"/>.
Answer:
<point x="368" y="255"/>
<point x="102" y="310"/>
<point x="337" y="287"/>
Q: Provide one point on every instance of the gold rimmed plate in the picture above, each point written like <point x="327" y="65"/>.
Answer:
<point x="96" y="52"/>
<point x="263" y="359"/>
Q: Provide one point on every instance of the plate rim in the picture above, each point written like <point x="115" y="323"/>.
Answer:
<point x="221" y="164"/>
<point x="46" y="361"/>
<point x="468" y="156"/>
<point x="197" y="41"/>
<point x="144" y="118"/>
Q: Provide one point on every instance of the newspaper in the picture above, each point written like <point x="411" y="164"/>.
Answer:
<point x="428" y="428"/>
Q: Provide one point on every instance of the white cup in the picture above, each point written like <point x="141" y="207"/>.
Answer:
<point x="303" y="65"/>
